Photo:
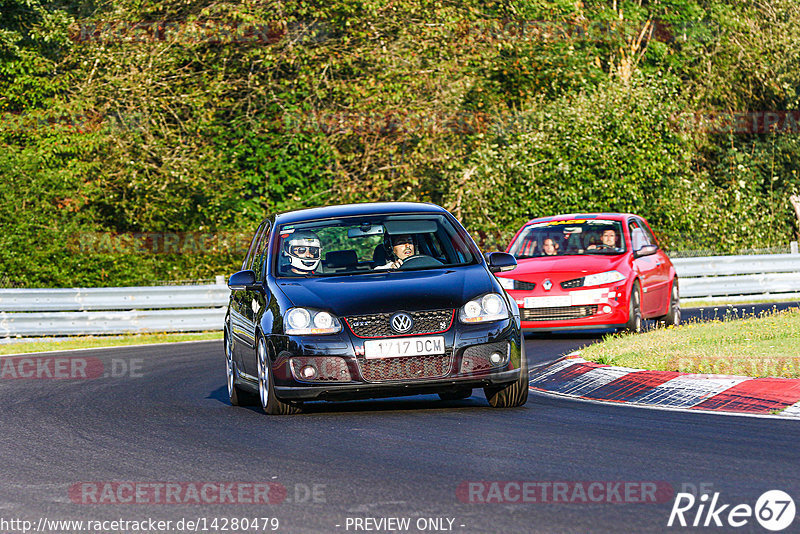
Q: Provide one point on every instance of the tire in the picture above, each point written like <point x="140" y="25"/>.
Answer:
<point x="457" y="394"/>
<point x="266" y="390"/>
<point x="635" y="320"/>
<point x="513" y="394"/>
<point x="236" y="395"/>
<point x="673" y="316"/>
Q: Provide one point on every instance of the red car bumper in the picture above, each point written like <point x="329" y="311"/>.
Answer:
<point x="577" y="309"/>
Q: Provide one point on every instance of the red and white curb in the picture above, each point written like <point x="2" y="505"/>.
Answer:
<point x="575" y="377"/>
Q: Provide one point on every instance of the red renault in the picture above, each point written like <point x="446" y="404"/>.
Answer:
<point x="591" y="271"/>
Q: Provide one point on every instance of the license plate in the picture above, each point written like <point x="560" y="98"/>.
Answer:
<point x="547" y="302"/>
<point x="403" y="346"/>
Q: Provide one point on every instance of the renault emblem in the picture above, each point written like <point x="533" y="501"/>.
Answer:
<point x="401" y="323"/>
<point x="547" y="284"/>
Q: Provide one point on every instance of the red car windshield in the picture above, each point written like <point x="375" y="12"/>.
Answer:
<point x="572" y="237"/>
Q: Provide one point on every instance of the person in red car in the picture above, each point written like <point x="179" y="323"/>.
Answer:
<point x="607" y="240"/>
<point x="550" y="247"/>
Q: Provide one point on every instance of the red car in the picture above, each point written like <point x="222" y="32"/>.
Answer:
<point x="591" y="271"/>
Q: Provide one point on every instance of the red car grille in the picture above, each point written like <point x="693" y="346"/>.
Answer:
<point x="557" y="313"/>
<point x="377" y="325"/>
<point x="405" y="368"/>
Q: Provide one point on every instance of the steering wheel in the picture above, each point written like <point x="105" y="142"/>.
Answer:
<point x="420" y="261"/>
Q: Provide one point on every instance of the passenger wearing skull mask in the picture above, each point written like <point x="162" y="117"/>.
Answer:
<point x="303" y="249"/>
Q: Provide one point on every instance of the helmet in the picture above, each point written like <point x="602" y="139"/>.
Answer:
<point x="300" y="258"/>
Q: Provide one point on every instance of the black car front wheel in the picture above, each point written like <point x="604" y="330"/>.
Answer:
<point x="236" y="395"/>
<point x="515" y="393"/>
<point x="266" y="390"/>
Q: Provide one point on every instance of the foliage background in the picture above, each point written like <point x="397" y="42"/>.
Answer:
<point x="499" y="111"/>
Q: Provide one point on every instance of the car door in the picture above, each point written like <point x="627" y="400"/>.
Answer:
<point x="646" y="266"/>
<point x="241" y="327"/>
<point x="254" y="300"/>
<point x="660" y="291"/>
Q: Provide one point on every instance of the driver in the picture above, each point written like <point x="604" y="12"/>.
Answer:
<point x="607" y="240"/>
<point x="303" y="249"/>
<point x="402" y="248"/>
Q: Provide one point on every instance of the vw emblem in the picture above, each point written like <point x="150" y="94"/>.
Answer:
<point x="547" y="284"/>
<point x="401" y="322"/>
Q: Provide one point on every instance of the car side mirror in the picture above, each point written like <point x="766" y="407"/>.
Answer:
<point x="647" y="250"/>
<point x="500" y="262"/>
<point x="242" y="280"/>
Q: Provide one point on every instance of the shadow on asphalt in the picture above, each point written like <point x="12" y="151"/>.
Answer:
<point x="392" y="404"/>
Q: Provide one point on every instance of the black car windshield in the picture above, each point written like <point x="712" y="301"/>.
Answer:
<point x="373" y="244"/>
<point x="569" y="238"/>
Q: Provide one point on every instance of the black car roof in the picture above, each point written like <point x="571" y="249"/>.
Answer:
<point x="349" y="210"/>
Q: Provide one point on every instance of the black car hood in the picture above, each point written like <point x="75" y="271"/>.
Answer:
<point x="390" y="291"/>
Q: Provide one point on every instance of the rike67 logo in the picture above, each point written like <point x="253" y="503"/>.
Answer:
<point x="774" y="510"/>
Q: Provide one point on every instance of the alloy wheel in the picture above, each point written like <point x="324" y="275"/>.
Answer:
<point x="263" y="375"/>
<point x="229" y="364"/>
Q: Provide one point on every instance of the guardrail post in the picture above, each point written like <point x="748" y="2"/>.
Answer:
<point x="793" y="247"/>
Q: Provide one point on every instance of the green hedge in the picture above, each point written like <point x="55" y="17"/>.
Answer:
<point x="500" y="111"/>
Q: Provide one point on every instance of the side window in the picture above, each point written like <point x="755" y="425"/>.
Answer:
<point x="259" y="257"/>
<point x="248" y="258"/>
<point x="638" y="236"/>
<point x="650" y="239"/>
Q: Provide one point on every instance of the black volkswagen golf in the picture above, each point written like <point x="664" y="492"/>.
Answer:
<point x="370" y="300"/>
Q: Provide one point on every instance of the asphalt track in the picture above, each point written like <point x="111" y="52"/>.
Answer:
<point x="169" y="421"/>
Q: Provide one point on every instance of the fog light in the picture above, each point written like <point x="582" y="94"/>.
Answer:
<point x="308" y="372"/>
<point x="495" y="358"/>
<point x="606" y="309"/>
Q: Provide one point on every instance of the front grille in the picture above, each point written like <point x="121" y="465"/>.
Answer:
<point x="527" y="286"/>
<point x="572" y="284"/>
<point x="558" y="313"/>
<point x="405" y="368"/>
<point x="328" y="368"/>
<point x="377" y="325"/>
<point x="476" y="358"/>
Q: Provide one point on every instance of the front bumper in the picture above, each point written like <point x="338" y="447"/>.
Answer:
<point x="594" y="310"/>
<point x="391" y="389"/>
<point x="458" y="369"/>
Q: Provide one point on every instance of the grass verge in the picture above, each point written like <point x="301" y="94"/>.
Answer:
<point x="766" y="345"/>
<point x="726" y="304"/>
<point x="93" y="342"/>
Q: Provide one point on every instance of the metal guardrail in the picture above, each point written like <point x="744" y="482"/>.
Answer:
<point x="110" y="322"/>
<point x="116" y="310"/>
<point x="112" y="310"/>
<point x="113" y="298"/>
<point x="739" y="278"/>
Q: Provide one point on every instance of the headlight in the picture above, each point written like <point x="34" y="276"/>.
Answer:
<point x="491" y="307"/>
<point x="304" y="321"/>
<point x="607" y="277"/>
<point x="506" y="283"/>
